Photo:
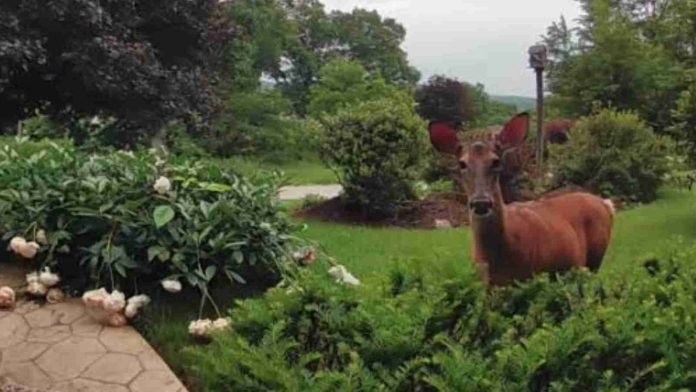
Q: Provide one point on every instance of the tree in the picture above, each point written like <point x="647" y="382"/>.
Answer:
<point x="446" y="99"/>
<point x="262" y="35"/>
<point x="345" y="83"/>
<point x="361" y="36"/>
<point x="616" y="66"/>
<point x="144" y="62"/>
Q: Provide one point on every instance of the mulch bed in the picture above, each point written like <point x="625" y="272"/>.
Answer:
<point x="425" y="214"/>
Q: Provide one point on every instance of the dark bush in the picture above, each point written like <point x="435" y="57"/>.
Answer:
<point x="378" y="149"/>
<point x="446" y="99"/>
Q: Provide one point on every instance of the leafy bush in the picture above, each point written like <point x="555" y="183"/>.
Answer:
<point x="378" y="149"/>
<point x="105" y="223"/>
<point x="615" y="154"/>
<point x="429" y="330"/>
<point x="258" y="123"/>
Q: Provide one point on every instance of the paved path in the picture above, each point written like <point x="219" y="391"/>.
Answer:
<point x="60" y="348"/>
<point x="299" y="192"/>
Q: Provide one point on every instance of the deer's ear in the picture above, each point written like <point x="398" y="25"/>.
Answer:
<point x="514" y="132"/>
<point x="443" y="136"/>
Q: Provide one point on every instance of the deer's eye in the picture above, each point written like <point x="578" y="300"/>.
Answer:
<point x="496" y="164"/>
<point x="462" y="165"/>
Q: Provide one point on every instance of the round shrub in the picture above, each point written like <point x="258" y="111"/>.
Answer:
<point x="377" y="149"/>
<point x="615" y="154"/>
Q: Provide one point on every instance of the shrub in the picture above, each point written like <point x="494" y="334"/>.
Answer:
<point x="377" y="149"/>
<point x="106" y="224"/>
<point x="440" y="330"/>
<point x="258" y="123"/>
<point x="615" y="154"/>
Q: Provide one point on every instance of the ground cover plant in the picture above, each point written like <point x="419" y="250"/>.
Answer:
<point x="421" y="321"/>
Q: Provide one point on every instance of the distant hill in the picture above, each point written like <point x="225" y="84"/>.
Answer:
<point x="522" y="103"/>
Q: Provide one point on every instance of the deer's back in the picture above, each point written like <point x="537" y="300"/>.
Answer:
<point x="555" y="234"/>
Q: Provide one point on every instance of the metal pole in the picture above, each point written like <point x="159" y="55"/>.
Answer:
<point x="540" y="121"/>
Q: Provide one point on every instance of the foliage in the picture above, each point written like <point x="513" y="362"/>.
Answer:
<point x="40" y="126"/>
<point x="105" y="224"/>
<point x="377" y="149"/>
<point x="145" y="62"/>
<point x="613" y="59"/>
<point x="345" y="83"/>
<point x="684" y="127"/>
<point x="614" y="153"/>
<point x="262" y="34"/>
<point x="446" y="99"/>
<point x="431" y="329"/>
<point x="361" y="36"/>
<point x="259" y="123"/>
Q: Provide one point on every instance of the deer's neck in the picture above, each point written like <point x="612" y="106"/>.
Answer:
<point x="489" y="234"/>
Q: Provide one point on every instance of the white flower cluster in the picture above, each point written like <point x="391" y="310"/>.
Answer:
<point x="305" y="256"/>
<point x="162" y="185"/>
<point x="205" y="327"/>
<point x="112" y="308"/>
<point x="7" y="297"/>
<point x="171" y="285"/>
<point x="343" y="276"/>
<point x="41" y="284"/>
<point x="24" y="248"/>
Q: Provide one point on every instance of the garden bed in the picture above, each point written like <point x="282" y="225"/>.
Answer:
<point x="431" y="212"/>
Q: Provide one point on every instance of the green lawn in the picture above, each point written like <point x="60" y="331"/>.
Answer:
<point x="637" y="233"/>
<point x="371" y="252"/>
<point x="310" y="171"/>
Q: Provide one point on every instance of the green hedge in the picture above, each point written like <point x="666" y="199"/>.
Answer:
<point x="441" y="331"/>
<point x="106" y="224"/>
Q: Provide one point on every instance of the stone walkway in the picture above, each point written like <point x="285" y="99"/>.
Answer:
<point x="300" y="192"/>
<point x="60" y="348"/>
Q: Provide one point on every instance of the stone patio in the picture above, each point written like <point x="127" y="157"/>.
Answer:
<point x="60" y="348"/>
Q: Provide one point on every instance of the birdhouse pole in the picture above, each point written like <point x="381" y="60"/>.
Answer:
<point x="537" y="60"/>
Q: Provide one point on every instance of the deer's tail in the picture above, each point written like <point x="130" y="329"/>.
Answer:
<point x="610" y="206"/>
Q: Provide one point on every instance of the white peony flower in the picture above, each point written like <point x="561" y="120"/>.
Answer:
<point x="200" y="327"/>
<point x="115" y="302"/>
<point x="29" y="250"/>
<point x="17" y="243"/>
<point x="171" y="285"/>
<point x="7" y="297"/>
<point x="41" y="237"/>
<point x="116" y="320"/>
<point x="131" y="311"/>
<point x="47" y="278"/>
<point x="95" y="298"/>
<point x="37" y="289"/>
<point x="162" y="185"/>
<point x="55" y="295"/>
<point x="139" y="300"/>
<point x="343" y="276"/>
<point x="33" y="277"/>
<point x="221" y="324"/>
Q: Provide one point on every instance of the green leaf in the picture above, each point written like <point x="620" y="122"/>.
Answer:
<point x="163" y="215"/>
<point x="210" y="272"/>
<point x="238" y="256"/>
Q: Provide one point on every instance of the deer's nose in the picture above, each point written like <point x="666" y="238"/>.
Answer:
<point x="480" y="206"/>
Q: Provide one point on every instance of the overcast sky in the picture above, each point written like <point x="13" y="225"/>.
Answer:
<point x="474" y="40"/>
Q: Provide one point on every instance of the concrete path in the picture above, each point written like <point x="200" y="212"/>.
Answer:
<point x="60" y="348"/>
<point x="300" y="192"/>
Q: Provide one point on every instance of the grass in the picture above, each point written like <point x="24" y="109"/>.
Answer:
<point x="370" y="252"/>
<point x="305" y="172"/>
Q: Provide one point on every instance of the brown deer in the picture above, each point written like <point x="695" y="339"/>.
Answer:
<point x="515" y="241"/>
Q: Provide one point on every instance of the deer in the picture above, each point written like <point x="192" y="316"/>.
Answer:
<point x="515" y="241"/>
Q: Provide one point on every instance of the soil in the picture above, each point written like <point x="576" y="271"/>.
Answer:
<point x="438" y="210"/>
